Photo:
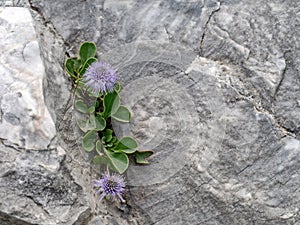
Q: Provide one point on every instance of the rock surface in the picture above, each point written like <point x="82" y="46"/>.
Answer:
<point x="213" y="86"/>
<point x="35" y="185"/>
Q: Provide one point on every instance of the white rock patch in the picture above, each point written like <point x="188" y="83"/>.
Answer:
<point x="25" y="121"/>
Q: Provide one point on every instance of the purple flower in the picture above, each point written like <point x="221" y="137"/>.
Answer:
<point x="111" y="186"/>
<point x="100" y="77"/>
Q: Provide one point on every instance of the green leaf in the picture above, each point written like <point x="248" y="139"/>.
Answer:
<point x="108" y="135"/>
<point x="109" y="145"/>
<point x="91" y="109"/>
<point x="126" y="143"/>
<point x="99" y="147"/>
<point x="97" y="159"/>
<point x="111" y="104"/>
<point x="81" y="124"/>
<point x="92" y="121"/>
<point x="108" y="132"/>
<point x="88" y="141"/>
<point x="72" y="66"/>
<point x="87" y="63"/>
<point x="97" y="104"/>
<point x="89" y="125"/>
<point x="100" y="123"/>
<point x="85" y="125"/>
<point x="141" y="155"/>
<point x="119" y="160"/>
<point x="128" y="151"/>
<point x="87" y="50"/>
<point x="101" y="160"/>
<point x="104" y="160"/>
<point x="122" y="114"/>
<point x="81" y="106"/>
<point x="113" y="140"/>
<point x="92" y="94"/>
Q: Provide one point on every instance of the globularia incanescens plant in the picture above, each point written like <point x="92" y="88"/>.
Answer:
<point x="97" y="90"/>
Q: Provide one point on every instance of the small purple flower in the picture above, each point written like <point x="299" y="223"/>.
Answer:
<point x="111" y="186"/>
<point x="100" y="77"/>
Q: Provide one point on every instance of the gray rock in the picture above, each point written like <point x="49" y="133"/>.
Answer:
<point x="213" y="89"/>
<point x="36" y="186"/>
<point x="263" y="40"/>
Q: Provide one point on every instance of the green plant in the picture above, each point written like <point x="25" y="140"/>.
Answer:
<point x="97" y="92"/>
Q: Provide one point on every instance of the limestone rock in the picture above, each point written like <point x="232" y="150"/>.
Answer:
<point x="36" y="187"/>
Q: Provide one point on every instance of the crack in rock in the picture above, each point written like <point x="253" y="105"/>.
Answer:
<point x="206" y="25"/>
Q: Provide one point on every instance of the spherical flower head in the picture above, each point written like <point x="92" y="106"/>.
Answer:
<point x="100" y="77"/>
<point x="111" y="186"/>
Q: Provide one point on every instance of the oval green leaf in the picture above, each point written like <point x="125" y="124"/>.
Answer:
<point x="92" y="121"/>
<point x="100" y="123"/>
<point x="108" y="135"/>
<point x="99" y="147"/>
<point x="126" y="143"/>
<point x="88" y="141"/>
<point x="101" y="160"/>
<point x="113" y="140"/>
<point x="92" y="109"/>
<point x="87" y="63"/>
<point x="81" y="106"/>
<point x="119" y="160"/>
<point x="87" y="50"/>
<point x="72" y="66"/>
<point x="84" y="125"/>
<point x="104" y="160"/>
<point x="122" y="114"/>
<point x="141" y="155"/>
<point x="111" y="104"/>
